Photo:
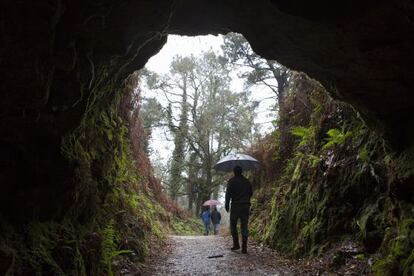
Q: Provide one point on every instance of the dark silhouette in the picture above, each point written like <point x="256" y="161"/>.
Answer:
<point x="205" y="217"/>
<point x="239" y="192"/>
<point x="215" y="219"/>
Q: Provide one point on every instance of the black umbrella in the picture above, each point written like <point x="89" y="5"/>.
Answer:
<point x="246" y="162"/>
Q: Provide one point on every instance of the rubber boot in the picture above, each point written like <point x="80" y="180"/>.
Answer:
<point x="244" y="245"/>
<point x="236" y="244"/>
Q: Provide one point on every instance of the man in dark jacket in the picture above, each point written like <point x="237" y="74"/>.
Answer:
<point x="239" y="191"/>
<point x="215" y="219"/>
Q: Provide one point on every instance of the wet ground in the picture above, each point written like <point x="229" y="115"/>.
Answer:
<point x="210" y="255"/>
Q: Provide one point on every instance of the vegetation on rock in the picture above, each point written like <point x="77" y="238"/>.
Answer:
<point x="117" y="208"/>
<point x="328" y="178"/>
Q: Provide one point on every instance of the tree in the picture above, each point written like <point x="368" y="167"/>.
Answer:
<point x="221" y="121"/>
<point x="269" y="73"/>
<point x="151" y="117"/>
<point x="206" y="119"/>
<point x="180" y="132"/>
<point x="263" y="72"/>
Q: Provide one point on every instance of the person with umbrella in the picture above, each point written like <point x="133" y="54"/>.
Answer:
<point x="206" y="216"/>
<point x="239" y="191"/>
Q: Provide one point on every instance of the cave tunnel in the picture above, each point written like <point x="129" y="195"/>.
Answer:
<point x="55" y="54"/>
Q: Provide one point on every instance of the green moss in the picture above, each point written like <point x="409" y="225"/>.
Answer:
<point x="399" y="256"/>
<point x="338" y="180"/>
<point x="360" y="257"/>
<point x="408" y="264"/>
<point x="111" y="212"/>
<point x="382" y="267"/>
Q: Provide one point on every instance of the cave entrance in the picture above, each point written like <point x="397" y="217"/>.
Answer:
<point x="202" y="98"/>
<point x="65" y="151"/>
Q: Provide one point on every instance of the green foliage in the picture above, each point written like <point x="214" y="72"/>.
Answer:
<point x="300" y="221"/>
<point x="111" y="206"/>
<point x="352" y="185"/>
<point x="298" y="168"/>
<point x="313" y="160"/>
<point x="260" y="72"/>
<point x="151" y="113"/>
<point x="306" y="134"/>
<point x="363" y="155"/>
<point x="207" y="120"/>
<point x="180" y="136"/>
<point x="42" y="240"/>
<point x="112" y="196"/>
<point x="109" y="246"/>
<point x="336" y="137"/>
<point x="190" y="226"/>
<point x="49" y="247"/>
<point x="399" y="252"/>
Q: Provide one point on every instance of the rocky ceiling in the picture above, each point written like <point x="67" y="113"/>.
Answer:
<point x="54" y="52"/>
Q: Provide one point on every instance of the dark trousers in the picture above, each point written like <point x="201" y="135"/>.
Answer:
<point x="239" y="211"/>
<point x="206" y="228"/>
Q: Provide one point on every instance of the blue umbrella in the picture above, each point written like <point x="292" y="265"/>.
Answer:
<point x="227" y="163"/>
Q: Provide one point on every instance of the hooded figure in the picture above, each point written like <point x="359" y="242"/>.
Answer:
<point x="239" y="191"/>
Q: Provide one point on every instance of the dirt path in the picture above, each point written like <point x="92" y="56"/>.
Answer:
<point x="189" y="255"/>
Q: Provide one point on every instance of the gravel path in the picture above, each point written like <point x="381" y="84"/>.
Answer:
<point x="189" y="255"/>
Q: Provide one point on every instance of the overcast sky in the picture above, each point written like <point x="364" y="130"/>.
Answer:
<point x="185" y="46"/>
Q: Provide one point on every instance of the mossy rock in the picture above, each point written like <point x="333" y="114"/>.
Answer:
<point x="400" y="256"/>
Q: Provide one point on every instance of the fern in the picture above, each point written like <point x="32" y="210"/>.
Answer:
<point x="313" y="160"/>
<point x="336" y="137"/>
<point x="305" y="133"/>
<point x="110" y="240"/>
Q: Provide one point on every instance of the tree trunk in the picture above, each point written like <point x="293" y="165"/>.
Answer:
<point x="192" y="175"/>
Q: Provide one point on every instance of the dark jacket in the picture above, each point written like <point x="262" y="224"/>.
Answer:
<point x="205" y="216"/>
<point x="239" y="191"/>
<point x="215" y="217"/>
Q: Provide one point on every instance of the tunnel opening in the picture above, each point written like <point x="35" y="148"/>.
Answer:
<point x="64" y="145"/>
<point x="230" y="102"/>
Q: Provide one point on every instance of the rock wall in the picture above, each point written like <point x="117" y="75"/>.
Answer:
<point x="330" y="182"/>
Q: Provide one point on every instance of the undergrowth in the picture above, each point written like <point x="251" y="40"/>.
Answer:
<point x="190" y="226"/>
<point x="114" y="216"/>
<point x="327" y="178"/>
